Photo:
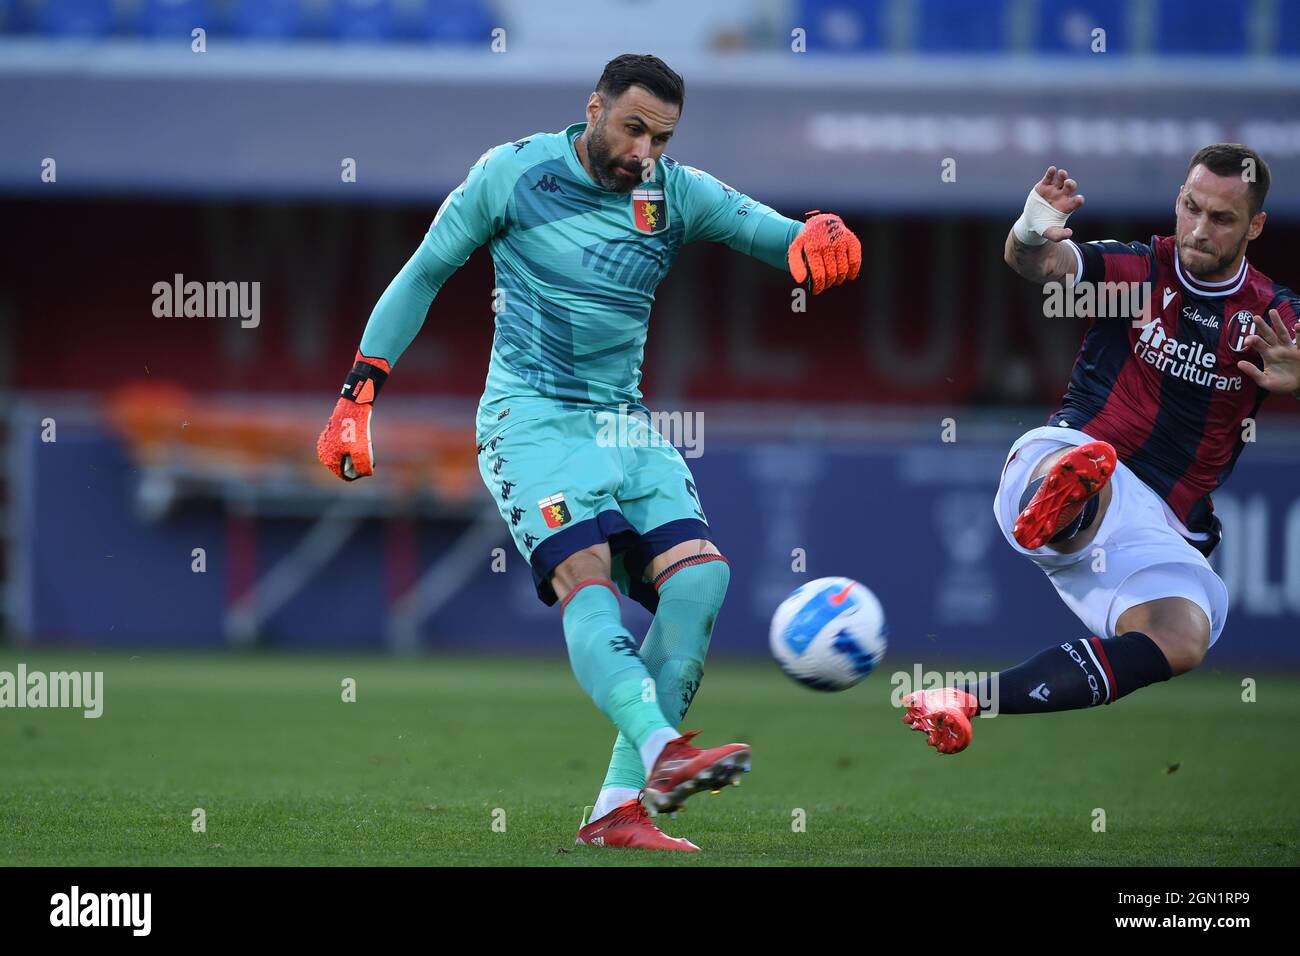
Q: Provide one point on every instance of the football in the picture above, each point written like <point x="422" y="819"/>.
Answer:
<point x="829" y="634"/>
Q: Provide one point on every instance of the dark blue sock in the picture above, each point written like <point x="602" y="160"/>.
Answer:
<point x="1076" y="674"/>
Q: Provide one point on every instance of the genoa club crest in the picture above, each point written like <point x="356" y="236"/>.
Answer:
<point x="649" y="210"/>
<point x="554" y="511"/>
<point x="1242" y="325"/>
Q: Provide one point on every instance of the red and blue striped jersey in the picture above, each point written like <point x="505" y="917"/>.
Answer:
<point x="1165" y="389"/>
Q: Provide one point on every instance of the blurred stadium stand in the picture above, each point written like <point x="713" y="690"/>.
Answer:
<point x="1066" y="28"/>
<point x="1239" y="28"/>
<point x="952" y="26"/>
<point x="821" y="433"/>
<point x="1180" y="26"/>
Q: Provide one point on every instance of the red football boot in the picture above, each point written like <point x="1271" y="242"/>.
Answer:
<point x="628" y="825"/>
<point x="1079" y="474"/>
<point x="943" y="714"/>
<point x="682" y="770"/>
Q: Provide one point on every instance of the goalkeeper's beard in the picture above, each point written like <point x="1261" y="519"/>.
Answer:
<point x="603" y="165"/>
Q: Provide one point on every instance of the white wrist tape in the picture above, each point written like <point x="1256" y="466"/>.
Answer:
<point x="1038" y="216"/>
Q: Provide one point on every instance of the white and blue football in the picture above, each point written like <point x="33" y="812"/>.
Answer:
<point x="829" y="634"/>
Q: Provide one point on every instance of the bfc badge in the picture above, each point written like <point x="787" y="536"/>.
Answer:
<point x="1242" y="325"/>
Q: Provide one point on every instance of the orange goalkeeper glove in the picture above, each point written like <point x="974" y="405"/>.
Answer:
<point x="344" y="447"/>
<point x="825" y="252"/>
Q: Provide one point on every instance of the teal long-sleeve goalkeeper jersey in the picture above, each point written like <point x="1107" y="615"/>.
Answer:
<point x="576" y="267"/>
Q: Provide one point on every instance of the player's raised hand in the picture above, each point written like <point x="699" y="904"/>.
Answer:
<point x="1062" y="193"/>
<point x="825" y="253"/>
<point x="1049" y="204"/>
<point x="344" y="447"/>
<point x="1281" y="354"/>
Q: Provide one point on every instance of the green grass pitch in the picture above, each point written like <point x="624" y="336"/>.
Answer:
<point x="414" y="771"/>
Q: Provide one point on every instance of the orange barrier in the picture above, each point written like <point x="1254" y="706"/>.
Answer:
<point x="165" y="425"/>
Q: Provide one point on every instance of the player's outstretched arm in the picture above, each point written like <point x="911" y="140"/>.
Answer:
<point x="470" y="215"/>
<point x="1036" y="245"/>
<point x="345" y="446"/>
<point x="821" y="252"/>
<point x="1281" y="353"/>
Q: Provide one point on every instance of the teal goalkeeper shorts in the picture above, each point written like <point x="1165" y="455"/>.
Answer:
<point x="565" y="479"/>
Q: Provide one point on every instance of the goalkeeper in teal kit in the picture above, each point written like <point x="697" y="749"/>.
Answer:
<point x="582" y="226"/>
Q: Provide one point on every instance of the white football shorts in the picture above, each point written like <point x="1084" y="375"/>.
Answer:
<point x="1138" y="554"/>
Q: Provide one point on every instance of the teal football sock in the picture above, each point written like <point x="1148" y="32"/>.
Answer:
<point x="605" y="661"/>
<point x="690" y="594"/>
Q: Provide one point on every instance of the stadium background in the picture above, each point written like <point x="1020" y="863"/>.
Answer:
<point x="822" y="430"/>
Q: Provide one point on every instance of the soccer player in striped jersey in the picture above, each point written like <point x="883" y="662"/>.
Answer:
<point x="582" y="225"/>
<point x="1112" y="497"/>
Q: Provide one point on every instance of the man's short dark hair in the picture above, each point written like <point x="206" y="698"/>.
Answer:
<point x="644" y="70"/>
<point x="1234" y="159"/>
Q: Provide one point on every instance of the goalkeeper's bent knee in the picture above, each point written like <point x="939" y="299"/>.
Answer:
<point x="690" y="595"/>
<point x="698" y="584"/>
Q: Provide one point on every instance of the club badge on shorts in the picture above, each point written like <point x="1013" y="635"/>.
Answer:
<point x="649" y="209"/>
<point x="554" y="511"/>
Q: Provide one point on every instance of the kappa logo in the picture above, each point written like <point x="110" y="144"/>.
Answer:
<point x="547" y="184"/>
<point x="688" y="694"/>
<point x="623" y="645"/>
